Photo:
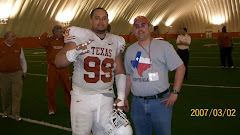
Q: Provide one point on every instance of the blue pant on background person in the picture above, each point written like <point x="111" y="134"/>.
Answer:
<point x="184" y="55"/>
<point x="150" y="114"/>
<point x="226" y="54"/>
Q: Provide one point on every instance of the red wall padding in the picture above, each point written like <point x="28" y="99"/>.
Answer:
<point x="33" y="42"/>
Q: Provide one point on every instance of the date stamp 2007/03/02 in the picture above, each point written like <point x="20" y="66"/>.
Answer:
<point x="226" y="112"/>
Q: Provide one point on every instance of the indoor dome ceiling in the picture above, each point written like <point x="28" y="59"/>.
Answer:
<point x="30" y="18"/>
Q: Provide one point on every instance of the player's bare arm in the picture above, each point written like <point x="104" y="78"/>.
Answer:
<point x="61" y="59"/>
<point x="119" y="68"/>
<point x="120" y="82"/>
<point x="179" y="75"/>
<point x="70" y="52"/>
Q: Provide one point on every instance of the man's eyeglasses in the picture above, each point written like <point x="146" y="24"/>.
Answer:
<point x="143" y="25"/>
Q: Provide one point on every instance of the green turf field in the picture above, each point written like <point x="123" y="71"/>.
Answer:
<point x="208" y="87"/>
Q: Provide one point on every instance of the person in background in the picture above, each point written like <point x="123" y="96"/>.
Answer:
<point x="108" y="28"/>
<point x="53" y="45"/>
<point x="183" y="42"/>
<point x="13" y="68"/>
<point x="156" y="32"/>
<point x="225" y="44"/>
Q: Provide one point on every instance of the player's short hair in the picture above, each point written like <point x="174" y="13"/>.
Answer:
<point x="92" y="12"/>
<point x="155" y="28"/>
<point x="185" y="29"/>
<point x="56" y="28"/>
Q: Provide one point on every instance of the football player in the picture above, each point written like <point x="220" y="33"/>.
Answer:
<point x="97" y="59"/>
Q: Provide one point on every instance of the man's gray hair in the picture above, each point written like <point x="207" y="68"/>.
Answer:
<point x="6" y="34"/>
<point x="56" y="28"/>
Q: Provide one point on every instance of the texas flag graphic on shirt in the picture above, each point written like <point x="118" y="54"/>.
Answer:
<point x="141" y="63"/>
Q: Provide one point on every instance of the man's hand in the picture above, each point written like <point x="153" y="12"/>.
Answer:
<point x="115" y="104"/>
<point x="83" y="47"/>
<point x="183" y="43"/>
<point x="171" y="99"/>
<point x="126" y="105"/>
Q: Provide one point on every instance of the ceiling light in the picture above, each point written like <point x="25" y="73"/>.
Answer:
<point x="3" y="20"/>
<point x="169" y="22"/>
<point x="218" y="20"/>
<point x="65" y="17"/>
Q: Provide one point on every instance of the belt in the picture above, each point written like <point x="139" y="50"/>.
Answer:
<point x="183" y="49"/>
<point x="160" y="95"/>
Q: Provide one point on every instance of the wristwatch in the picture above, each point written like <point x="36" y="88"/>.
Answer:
<point x="175" y="92"/>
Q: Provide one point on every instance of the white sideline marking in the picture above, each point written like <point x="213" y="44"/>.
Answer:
<point x="39" y="53"/>
<point x="209" y="58"/>
<point x="217" y="44"/>
<point x="193" y="85"/>
<point x="211" y="52"/>
<point x="42" y="123"/>
<point x="36" y="74"/>
<point x="209" y="86"/>
<point x="35" y="55"/>
<point x="210" y="44"/>
<point x="209" y="67"/>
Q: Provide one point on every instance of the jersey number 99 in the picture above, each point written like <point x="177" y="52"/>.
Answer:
<point x="96" y="69"/>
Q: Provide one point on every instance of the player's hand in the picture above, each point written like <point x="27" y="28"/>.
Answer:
<point x="83" y="47"/>
<point x="170" y="100"/>
<point x="126" y="105"/>
<point x="115" y="104"/>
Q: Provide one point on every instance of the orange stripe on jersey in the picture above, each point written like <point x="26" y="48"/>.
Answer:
<point x="69" y="38"/>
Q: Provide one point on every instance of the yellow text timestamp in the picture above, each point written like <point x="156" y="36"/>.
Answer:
<point x="213" y="112"/>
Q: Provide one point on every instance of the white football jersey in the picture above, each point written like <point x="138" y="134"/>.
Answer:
<point x="94" y="71"/>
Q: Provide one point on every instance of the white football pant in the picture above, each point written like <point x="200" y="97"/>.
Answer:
<point x="89" y="112"/>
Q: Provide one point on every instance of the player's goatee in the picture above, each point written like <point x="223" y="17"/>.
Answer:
<point x="100" y="31"/>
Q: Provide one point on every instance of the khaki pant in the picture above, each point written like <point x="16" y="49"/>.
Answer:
<point x="11" y="91"/>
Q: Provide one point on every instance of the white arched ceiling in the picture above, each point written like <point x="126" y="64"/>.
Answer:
<point x="30" y="18"/>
